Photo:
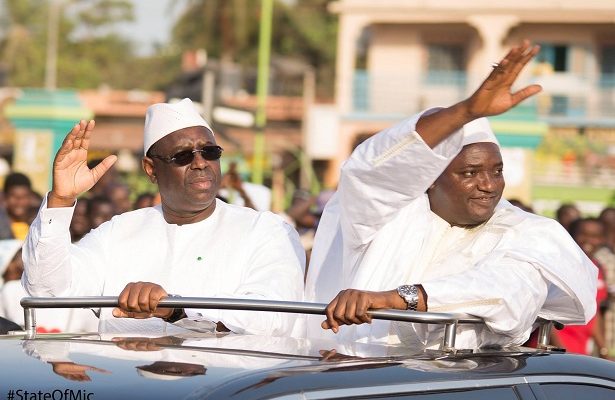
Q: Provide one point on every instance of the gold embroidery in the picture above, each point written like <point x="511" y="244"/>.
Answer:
<point x="393" y="151"/>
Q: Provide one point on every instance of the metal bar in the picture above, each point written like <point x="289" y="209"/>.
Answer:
<point x="247" y="305"/>
<point x="450" y="334"/>
<point x="544" y="334"/>
<point x="29" y="315"/>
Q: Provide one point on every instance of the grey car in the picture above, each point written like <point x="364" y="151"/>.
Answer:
<point x="209" y="365"/>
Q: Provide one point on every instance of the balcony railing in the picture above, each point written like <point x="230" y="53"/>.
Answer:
<point x="403" y="94"/>
<point x="446" y="78"/>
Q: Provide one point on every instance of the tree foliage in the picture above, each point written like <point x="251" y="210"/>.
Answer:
<point x="89" y="53"/>
<point x="228" y="30"/>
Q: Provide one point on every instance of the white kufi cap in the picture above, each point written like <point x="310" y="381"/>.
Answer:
<point x="478" y="131"/>
<point x="162" y="119"/>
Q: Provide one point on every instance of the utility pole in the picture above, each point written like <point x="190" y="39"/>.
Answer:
<point x="51" y="62"/>
<point x="262" y="88"/>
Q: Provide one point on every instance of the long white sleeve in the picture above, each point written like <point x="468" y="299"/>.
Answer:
<point x="384" y="174"/>
<point x="55" y="267"/>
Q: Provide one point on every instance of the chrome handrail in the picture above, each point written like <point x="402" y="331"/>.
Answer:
<point x="449" y="320"/>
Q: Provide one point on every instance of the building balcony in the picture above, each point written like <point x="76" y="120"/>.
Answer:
<point x="564" y="100"/>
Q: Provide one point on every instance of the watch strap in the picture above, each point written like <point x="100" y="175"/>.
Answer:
<point x="410" y="294"/>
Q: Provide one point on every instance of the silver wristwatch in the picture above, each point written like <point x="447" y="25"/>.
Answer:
<point x="410" y="294"/>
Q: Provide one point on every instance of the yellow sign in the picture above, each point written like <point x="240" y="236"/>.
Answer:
<point x="33" y="156"/>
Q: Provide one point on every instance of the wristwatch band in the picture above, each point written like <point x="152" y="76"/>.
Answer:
<point x="177" y="314"/>
<point x="410" y="294"/>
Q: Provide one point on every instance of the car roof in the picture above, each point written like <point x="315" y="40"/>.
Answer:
<point x="245" y="366"/>
<point x="209" y="364"/>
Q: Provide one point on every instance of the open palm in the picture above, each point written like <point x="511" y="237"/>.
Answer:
<point x="71" y="175"/>
<point x="494" y="96"/>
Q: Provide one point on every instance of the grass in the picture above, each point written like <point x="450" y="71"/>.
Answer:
<point x="572" y="194"/>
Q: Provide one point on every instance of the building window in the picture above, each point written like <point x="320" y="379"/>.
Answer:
<point x="446" y="65"/>
<point x="607" y="61"/>
<point x="445" y="57"/>
<point x="554" y="55"/>
<point x="607" y="67"/>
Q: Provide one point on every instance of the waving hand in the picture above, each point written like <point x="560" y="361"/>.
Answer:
<point x="71" y="175"/>
<point x="494" y="95"/>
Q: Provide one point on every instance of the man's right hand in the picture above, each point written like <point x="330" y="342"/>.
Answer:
<point x="494" y="96"/>
<point x="140" y="300"/>
<point x="71" y="175"/>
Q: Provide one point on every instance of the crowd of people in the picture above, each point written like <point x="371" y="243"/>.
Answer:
<point x="418" y="222"/>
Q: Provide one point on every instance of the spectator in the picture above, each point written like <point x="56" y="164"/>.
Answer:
<point x="605" y="255"/>
<point x="100" y="209"/>
<point x="607" y="215"/>
<point x="234" y="190"/>
<point x="18" y="200"/>
<point x="144" y="200"/>
<point x="80" y="224"/>
<point x="521" y="205"/>
<point x="566" y="213"/>
<point x="47" y="320"/>
<point x="119" y="194"/>
<point x="589" y="234"/>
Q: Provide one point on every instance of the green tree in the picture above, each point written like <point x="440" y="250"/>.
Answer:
<point x="228" y="30"/>
<point x="89" y="53"/>
<point x="22" y="45"/>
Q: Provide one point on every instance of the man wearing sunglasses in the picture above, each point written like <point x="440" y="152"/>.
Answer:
<point x="191" y="245"/>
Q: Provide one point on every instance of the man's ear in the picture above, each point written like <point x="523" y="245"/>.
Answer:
<point x="148" y="167"/>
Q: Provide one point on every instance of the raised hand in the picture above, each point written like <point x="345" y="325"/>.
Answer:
<point x="71" y="175"/>
<point x="494" y="95"/>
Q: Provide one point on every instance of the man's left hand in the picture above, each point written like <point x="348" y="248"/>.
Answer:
<point x="140" y="300"/>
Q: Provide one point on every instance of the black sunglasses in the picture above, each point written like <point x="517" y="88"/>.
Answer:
<point x="185" y="157"/>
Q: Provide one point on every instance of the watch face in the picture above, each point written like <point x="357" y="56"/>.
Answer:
<point x="410" y="295"/>
<point x="409" y="290"/>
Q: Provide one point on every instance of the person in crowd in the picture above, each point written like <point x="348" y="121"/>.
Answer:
<point x="418" y="222"/>
<point x="190" y="245"/>
<point x="119" y="194"/>
<point x="110" y="178"/>
<point x="566" y="213"/>
<point x="80" y="223"/>
<point x="11" y="293"/>
<point x="521" y="205"/>
<point x="143" y="200"/>
<point x="5" y="225"/>
<point x="100" y="209"/>
<point x="607" y="215"/>
<point x="232" y="188"/>
<point x="605" y="255"/>
<point x="304" y="213"/>
<point x="18" y="200"/>
<point x="589" y="233"/>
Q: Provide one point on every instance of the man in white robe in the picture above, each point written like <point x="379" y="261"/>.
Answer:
<point x="419" y="208"/>
<point x="190" y="245"/>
